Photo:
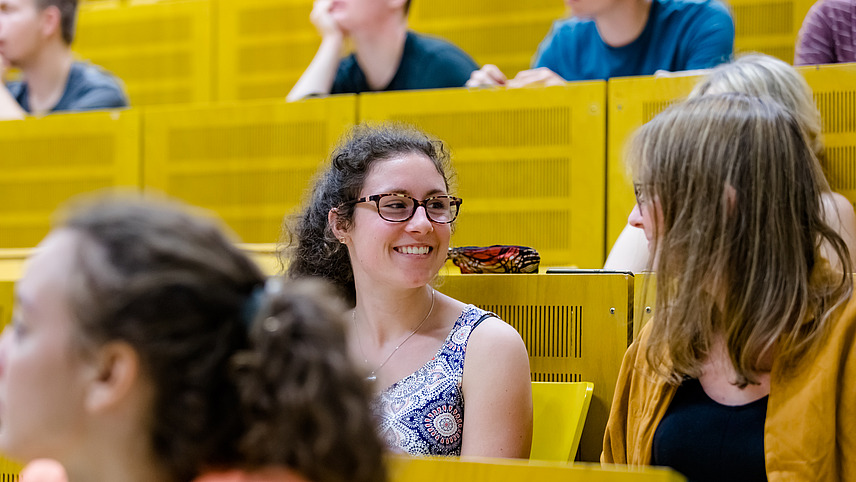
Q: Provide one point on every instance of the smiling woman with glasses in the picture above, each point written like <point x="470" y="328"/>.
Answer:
<point x="378" y="226"/>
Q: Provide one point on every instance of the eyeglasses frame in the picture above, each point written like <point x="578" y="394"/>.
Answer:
<point x="454" y="201"/>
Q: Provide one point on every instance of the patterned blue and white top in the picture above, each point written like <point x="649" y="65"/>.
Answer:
<point x="423" y="414"/>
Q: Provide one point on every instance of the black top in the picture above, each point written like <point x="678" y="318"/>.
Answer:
<point x="706" y="441"/>
<point x="426" y="63"/>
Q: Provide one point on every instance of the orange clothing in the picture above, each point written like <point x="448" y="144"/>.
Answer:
<point x="266" y="475"/>
<point x="810" y="429"/>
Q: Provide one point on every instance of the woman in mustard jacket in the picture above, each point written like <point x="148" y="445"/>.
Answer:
<point x="747" y="371"/>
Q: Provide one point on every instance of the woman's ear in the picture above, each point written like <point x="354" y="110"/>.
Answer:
<point x="335" y="223"/>
<point x="115" y="373"/>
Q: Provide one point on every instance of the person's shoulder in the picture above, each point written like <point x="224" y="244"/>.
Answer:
<point x="493" y="332"/>
<point x="839" y="7"/>
<point x="572" y="26"/>
<point x="94" y="76"/>
<point x="430" y="47"/>
<point x="702" y="7"/>
<point x="92" y="87"/>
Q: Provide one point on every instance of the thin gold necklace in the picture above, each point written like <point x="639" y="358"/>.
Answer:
<point x="372" y="377"/>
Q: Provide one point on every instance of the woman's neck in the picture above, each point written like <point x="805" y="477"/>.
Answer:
<point x="385" y="316"/>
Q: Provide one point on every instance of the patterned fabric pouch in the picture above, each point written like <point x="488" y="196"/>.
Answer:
<point x="498" y="258"/>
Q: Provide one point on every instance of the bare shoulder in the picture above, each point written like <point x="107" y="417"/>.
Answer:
<point x="493" y="334"/>
<point x="495" y="345"/>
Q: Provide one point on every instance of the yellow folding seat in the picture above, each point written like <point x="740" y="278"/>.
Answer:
<point x="559" y="414"/>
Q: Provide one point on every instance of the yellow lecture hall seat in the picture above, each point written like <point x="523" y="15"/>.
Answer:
<point x="559" y="412"/>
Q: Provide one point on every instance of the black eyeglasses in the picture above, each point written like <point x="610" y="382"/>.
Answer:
<point x="398" y="208"/>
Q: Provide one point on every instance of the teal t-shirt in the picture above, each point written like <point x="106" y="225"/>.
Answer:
<point x="679" y="35"/>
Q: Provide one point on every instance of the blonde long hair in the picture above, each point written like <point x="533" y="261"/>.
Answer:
<point x="765" y="76"/>
<point x="740" y="223"/>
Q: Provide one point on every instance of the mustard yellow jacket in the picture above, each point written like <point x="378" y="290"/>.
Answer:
<point x="810" y="430"/>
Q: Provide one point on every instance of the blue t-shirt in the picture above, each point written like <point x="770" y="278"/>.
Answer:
<point x="426" y="63"/>
<point x="679" y="35"/>
<point x="88" y="87"/>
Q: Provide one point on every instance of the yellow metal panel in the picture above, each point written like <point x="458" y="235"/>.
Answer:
<point x="265" y="255"/>
<point x="250" y="163"/>
<point x="576" y="328"/>
<point x="263" y="47"/>
<point x="644" y="300"/>
<point x="7" y="298"/>
<point x="162" y="51"/>
<point x="49" y="160"/>
<point x="529" y="163"/>
<point x="559" y="411"/>
<point x="632" y="102"/>
<point x="505" y="32"/>
<point x="472" y="469"/>
<point x="9" y="470"/>
<point x="768" y="26"/>
<point x="834" y="89"/>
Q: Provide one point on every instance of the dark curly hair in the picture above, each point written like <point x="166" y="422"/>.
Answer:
<point x="176" y="289"/>
<point x="310" y="248"/>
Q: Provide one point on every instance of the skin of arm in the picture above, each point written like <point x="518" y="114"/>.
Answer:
<point x="497" y="393"/>
<point x="839" y="215"/>
<point x="319" y="76"/>
<point x="9" y="108"/>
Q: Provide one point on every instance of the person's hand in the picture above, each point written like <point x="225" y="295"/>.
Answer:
<point x="486" y="76"/>
<point x="540" y="77"/>
<point x="323" y="19"/>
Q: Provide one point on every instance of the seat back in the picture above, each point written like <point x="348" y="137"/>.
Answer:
<point x="483" y="469"/>
<point x="559" y="414"/>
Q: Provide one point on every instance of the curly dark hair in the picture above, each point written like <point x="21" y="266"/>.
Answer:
<point x="310" y="248"/>
<point x="176" y="289"/>
<point x="319" y="397"/>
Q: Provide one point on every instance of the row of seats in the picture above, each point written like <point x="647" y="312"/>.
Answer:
<point x="179" y="51"/>
<point x="536" y="167"/>
<point x="576" y="326"/>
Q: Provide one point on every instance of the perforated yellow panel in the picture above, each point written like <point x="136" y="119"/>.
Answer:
<point x="505" y="32"/>
<point x="250" y="163"/>
<point x="432" y="469"/>
<point x="8" y="470"/>
<point x="162" y="51"/>
<point x="632" y="102"/>
<point x="46" y="161"/>
<point x="529" y="163"/>
<point x="768" y="26"/>
<point x="263" y="47"/>
<point x="576" y="328"/>
<point x="834" y="88"/>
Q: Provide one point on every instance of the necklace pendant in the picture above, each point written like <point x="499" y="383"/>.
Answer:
<point x="371" y="378"/>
